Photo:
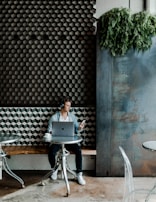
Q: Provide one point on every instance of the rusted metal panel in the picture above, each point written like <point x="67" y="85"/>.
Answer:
<point x="133" y="111"/>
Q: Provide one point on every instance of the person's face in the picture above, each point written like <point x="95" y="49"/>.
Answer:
<point x="67" y="106"/>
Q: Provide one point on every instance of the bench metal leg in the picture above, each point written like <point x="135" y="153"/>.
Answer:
<point x="4" y="164"/>
<point x="12" y="174"/>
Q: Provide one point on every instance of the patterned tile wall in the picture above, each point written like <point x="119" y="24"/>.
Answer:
<point x="48" y="50"/>
<point x="30" y="123"/>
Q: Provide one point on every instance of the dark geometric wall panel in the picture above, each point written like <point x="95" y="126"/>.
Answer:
<point x="30" y="123"/>
<point x="47" y="51"/>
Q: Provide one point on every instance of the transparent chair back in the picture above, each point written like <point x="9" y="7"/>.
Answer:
<point x="128" y="173"/>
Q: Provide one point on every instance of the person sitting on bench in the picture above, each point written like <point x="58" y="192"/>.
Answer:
<point x="64" y="115"/>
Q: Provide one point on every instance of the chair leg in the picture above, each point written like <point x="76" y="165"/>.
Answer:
<point x="149" y="194"/>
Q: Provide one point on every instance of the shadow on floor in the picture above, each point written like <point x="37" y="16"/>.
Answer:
<point x="9" y="185"/>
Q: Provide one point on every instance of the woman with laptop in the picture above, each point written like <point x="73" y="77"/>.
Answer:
<point x="63" y="115"/>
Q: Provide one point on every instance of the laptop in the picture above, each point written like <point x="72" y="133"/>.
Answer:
<point x="63" y="129"/>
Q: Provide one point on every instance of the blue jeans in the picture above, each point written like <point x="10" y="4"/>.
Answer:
<point x="75" y="148"/>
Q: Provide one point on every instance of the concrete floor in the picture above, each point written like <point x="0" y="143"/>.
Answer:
<point x="97" y="189"/>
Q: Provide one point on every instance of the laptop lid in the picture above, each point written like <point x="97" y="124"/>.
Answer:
<point x="64" y="129"/>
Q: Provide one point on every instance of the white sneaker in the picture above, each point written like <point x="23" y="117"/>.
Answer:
<point x="80" y="179"/>
<point x="54" y="175"/>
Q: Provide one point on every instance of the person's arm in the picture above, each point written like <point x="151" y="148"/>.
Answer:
<point x="78" y="127"/>
<point x="50" y="125"/>
<point x="54" y="117"/>
<point x="74" y="119"/>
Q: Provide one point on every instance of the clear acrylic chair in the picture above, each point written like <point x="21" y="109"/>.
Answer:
<point x="129" y="189"/>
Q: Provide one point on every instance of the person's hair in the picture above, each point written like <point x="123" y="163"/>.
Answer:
<point x="67" y="99"/>
<point x="64" y="100"/>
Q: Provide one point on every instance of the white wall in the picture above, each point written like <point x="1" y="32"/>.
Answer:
<point x="40" y="162"/>
<point x="103" y="6"/>
<point x="151" y="6"/>
<point x="136" y="6"/>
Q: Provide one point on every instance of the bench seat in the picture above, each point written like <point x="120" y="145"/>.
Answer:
<point x="17" y="150"/>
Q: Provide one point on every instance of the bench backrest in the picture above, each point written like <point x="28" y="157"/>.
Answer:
<point x="31" y="123"/>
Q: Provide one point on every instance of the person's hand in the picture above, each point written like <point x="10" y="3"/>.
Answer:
<point x="47" y="137"/>
<point x="82" y="125"/>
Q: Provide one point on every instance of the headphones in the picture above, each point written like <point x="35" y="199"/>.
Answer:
<point x="63" y="100"/>
<point x="62" y="105"/>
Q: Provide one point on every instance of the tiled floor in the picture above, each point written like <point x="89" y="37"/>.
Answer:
<point x="97" y="189"/>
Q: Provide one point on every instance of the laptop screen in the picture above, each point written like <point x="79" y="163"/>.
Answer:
<point x="64" y="129"/>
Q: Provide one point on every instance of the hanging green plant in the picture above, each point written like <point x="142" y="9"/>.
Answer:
<point x="120" y="31"/>
<point x="144" y="28"/>
<point x="115" y="26"/>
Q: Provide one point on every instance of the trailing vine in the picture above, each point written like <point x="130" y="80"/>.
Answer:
<point x="120" y="30"/>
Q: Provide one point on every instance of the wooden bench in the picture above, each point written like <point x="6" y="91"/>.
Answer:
<point x="17" y="150"/>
